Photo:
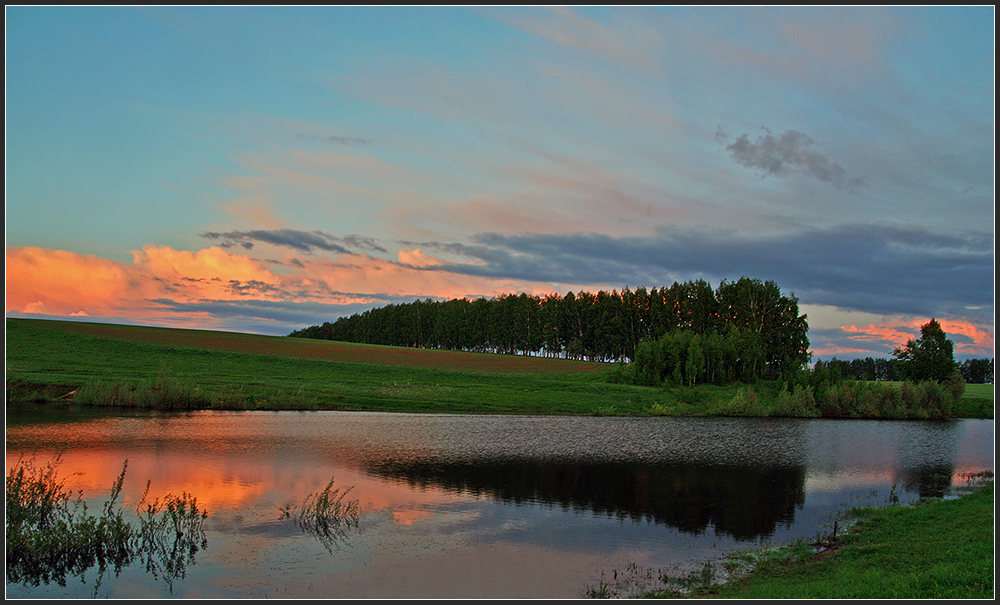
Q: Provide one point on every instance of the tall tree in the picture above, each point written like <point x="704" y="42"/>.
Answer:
<point x="930" y="357"/>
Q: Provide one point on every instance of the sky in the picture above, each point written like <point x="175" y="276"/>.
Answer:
<point x="263" y="169"/>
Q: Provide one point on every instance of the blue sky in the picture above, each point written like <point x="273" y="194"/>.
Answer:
<point x="263" y="169"/>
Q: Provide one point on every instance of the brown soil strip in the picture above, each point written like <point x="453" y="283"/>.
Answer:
<point x="330" y="350"/>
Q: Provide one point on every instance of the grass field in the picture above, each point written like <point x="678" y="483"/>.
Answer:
<point x="133" y="366"/>
<point x="325" y="350"/>
<point x="51" y="359"/>
<point x="940" y="549"/>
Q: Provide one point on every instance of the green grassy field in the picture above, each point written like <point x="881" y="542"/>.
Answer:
<point x="131" y="366"/>
<point x="48" y="360"/>
<point x="940" y="549"/>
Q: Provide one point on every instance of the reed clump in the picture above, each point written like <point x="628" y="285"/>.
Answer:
<point x="327" y="514"/>
<point x="159" y="393"/>
<point x="51" y="535"/>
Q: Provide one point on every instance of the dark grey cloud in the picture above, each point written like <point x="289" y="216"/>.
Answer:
<point x="789" y="152"/>
<point x="837" y="339"/>
<point x="276" y="318"/>
<point x="306" y="241"/>
<point x="253" y="287"/>
<point x="879" y="269"/>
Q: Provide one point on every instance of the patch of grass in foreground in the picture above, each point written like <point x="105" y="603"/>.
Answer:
<point x="940" y="549"/>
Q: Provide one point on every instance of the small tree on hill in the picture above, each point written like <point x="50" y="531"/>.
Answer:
<point x="930" y="357"/>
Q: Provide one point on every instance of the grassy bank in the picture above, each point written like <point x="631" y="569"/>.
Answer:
<point x="89" y="364"/>
<point x="941" y="549"/>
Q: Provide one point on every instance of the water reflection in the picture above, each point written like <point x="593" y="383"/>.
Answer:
<point x="328" y="515"/>
<point x="743" y="502"/>
<point x="443" y="500"/>
<point x="51" y="535"/>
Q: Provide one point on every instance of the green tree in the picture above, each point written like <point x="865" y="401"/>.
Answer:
<point x="930" y="357"/>
<point x="694" y="365"/>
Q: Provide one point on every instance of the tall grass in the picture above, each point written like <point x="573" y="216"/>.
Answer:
<point x="50" y="534"/>
<point x="907" y="400"/>
<point x="160" y="393"/>
<point x="327" y="516"/>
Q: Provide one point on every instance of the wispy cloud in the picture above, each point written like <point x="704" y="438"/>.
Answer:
<point x="305" y="241"/>
<point x="626" y="39"/>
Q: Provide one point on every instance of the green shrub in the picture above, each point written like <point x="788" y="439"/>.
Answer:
<point x="955" y="385"/>
<point x="871" y="402"/>
<point x="659" y="409"/>
<point x="839" y="401"/>
<point x="745" y="402"/>
<point x="798" y="403"/>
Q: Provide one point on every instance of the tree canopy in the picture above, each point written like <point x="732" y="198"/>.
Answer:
<point x="746" y="328"/>
<point x="930" y="357"/>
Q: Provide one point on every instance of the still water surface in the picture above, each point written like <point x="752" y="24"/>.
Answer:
<point x="484" y="506"/>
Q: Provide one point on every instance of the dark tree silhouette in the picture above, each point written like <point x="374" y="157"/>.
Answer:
<point x="930" y="357"/>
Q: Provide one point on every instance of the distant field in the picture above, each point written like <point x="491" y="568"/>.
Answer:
<point x="979" y="391"/>
<point x="308" y="348"/>
<point x="164" y="368"/>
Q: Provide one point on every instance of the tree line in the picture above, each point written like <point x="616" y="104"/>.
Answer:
<point x="742" y="330"/>
<point x="973" y="371"/>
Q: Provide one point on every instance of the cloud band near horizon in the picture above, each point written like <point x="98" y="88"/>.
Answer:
<point x="893" y="272"/>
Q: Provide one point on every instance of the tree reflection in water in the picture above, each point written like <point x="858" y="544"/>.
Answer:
<point x="746" y="502"/>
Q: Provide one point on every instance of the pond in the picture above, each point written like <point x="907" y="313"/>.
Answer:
<point x="468" y="506"/>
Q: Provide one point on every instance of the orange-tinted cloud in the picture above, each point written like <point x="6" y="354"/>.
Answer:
<point x="416" y="258"/>
<point x="58" y="282"/>
<point x="364" y="273"/>
<point x="900" y="332"/>
<point x="837" y="350"/>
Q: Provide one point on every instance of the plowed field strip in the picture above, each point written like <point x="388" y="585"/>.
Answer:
<point x="334" y="351"/>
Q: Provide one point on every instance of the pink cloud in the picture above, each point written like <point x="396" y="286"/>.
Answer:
<point x="416" y="258"/>
<point x="835" y="350"/>
<point x="58" y="282"/>
<point x="899" y="332"/>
